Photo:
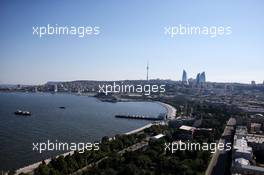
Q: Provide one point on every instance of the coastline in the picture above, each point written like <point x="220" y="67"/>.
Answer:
<point x="170" y="112"/>
<point x="30" y="168"/>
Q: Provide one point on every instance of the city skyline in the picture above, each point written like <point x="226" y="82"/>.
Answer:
<point x="130" y="35"/>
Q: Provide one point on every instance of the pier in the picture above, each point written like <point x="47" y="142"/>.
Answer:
<point x="142" y="117"/>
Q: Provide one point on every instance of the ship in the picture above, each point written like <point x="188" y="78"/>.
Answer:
<point x="24" y="113"/>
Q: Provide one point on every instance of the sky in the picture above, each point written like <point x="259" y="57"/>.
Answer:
<point x="131" y="34"/>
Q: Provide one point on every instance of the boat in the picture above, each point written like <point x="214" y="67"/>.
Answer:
<point x="25" y="113"/>
<point x="62" y="107"/>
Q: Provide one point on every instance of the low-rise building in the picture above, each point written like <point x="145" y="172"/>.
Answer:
<point x="157" y="137"/>
<point x="242" y="153"/>
<point x="186" y="132"/>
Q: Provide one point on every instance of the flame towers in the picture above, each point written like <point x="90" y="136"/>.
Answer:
<point x="184" y="77"/>
<point x="200" y="78"/>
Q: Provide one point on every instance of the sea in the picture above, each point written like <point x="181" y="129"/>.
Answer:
<point x="84" y="119"/>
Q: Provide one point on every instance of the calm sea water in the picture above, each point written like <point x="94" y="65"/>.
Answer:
<point x="85" y="119"/>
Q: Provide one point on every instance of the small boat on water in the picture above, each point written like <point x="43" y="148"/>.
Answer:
<point x="25" y="113"/>
<point x="62" y="107"/>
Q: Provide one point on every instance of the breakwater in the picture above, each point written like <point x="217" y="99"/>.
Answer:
<point x="141" y="117"/>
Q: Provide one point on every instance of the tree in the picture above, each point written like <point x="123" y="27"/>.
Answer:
<point x="43" y="169"/>
<point x="143" y="161"/>
<point x="129" y="169"/>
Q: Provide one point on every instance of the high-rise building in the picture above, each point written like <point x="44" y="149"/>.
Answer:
<point x="184" y="77"/>
<point x="198" y="78"/>
<point x="202" y="77"/>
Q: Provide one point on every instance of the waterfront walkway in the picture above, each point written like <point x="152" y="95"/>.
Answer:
<point x="139" y="129"/>
<point x="171" y="111"/>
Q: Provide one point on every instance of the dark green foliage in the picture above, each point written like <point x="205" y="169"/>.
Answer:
<point x="71" y="163"/>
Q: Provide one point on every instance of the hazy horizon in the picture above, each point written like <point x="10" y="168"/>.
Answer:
<point x="14" y="84"/>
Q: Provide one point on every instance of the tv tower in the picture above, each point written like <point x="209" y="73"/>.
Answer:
<point x="147" y="71"/>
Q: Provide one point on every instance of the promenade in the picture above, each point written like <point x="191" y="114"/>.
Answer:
<point x="171" y="111"/>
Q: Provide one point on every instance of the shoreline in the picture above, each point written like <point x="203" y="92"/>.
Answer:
<point x="170" y="111"/>
<point x="30" y="168"/>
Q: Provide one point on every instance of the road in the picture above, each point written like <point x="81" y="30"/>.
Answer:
<point x="134" y="147"/>
<point x="219" y="161"/>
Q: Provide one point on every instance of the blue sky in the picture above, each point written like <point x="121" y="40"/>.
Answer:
<point x="131" y="33"/>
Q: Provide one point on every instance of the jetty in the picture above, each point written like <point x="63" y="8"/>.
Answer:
<point x="142" y="117"/>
